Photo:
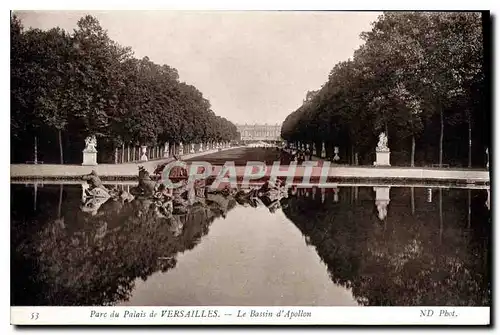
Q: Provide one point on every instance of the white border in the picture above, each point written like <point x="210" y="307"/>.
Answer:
<point x="200" y="4"/>
<point x="259" y="315"/>
<point x="358" y="5"/>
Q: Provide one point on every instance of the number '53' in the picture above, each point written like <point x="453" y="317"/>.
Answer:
<point x="34" y="316"/>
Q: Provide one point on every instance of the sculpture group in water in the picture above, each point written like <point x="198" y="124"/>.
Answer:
<point x="175" y="201"/>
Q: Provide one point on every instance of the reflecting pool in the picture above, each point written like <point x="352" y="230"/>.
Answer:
<point x="347" y="245"/>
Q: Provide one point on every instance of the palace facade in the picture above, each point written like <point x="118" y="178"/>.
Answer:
<point x="260" y="132"/>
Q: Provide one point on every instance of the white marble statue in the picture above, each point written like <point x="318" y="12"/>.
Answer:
<point x="91" y="143"/>
<point x="382" y="142"/>
<point x="144" y="155"/>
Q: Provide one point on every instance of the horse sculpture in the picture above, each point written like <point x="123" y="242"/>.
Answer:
<point x="147" y="186"/>
<point x="96" y="188"/>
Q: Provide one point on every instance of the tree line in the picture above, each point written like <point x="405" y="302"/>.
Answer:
<point x="420" y="77"/>
<point x="67" y="86"/>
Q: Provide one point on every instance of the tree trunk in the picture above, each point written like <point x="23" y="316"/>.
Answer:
<point x="35" y="159"/>
<point x="60" y="148"/>
<point x="413" y="200"/>
<point x="123" y="153"/>
<point x="60" y="201"/>
<point x="352" y="155"/>
<point x="468" y="203"/>
<point x="441" y="228"/>
<point x="441" y="136"/>
<point x="35" y="195"/>
<point x="412" y="163"/>
<point x="470" y="142"/>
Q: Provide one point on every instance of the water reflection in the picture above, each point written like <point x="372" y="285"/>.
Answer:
<point x="386" y="245"/>
<point x="401" y="257"/>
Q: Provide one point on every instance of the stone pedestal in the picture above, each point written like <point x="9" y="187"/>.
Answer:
<point x="382" y="199"/>
<point x="144" y="156"/>
<point x="89" y="157"/>
<point x="383" y="158"/>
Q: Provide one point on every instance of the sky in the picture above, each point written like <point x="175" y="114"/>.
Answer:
<point x="253" y="66"/>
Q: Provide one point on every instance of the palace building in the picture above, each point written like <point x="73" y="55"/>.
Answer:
<point x="260" y="132"/>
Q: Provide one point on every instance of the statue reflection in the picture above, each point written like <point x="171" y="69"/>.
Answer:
<point x="336" y="194"/>
<point x="382" y="199"/>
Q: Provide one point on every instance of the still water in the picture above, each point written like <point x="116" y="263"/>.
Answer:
<point x="395" y="246"/>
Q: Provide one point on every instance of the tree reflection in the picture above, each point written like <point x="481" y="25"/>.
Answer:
<point x="419" y="252"/>
<point x="424" y="255"/>
<point x="98" y="258"/>
<point x="110" y="242"/>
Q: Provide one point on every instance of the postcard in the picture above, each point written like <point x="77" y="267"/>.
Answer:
<point x="177" y="167"/>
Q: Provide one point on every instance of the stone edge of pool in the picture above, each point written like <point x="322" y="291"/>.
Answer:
<point x="476" y="180"/>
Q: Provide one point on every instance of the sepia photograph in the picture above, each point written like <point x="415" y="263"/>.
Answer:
<point x="180" y="167"/>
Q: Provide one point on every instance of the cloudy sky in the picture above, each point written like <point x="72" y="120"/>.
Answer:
<point x="253" y="66"/>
